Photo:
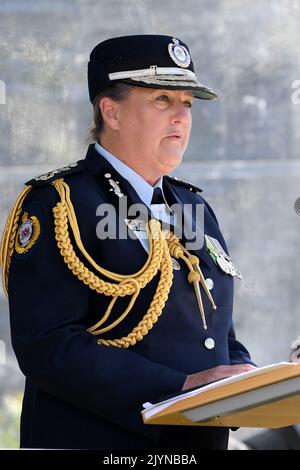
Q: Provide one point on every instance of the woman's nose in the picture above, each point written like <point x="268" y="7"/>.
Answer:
<point x="181" y="113"/>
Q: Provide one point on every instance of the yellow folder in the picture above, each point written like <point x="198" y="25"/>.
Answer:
<point x="267" y="397"/>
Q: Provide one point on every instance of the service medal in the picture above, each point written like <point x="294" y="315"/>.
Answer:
<point x="224" y="264"/>
<point x="220" y="257"/>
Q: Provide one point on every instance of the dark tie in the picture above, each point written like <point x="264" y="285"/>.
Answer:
<point x="157" y="197"/>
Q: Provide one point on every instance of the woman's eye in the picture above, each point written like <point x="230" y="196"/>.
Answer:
<point x="188" y="104"/>
<point x="163" y="98"/>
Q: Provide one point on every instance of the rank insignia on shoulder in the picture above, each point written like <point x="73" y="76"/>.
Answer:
<point x="28" y="233"/>
<point x="191" y="187"/>
<point x="47" y="178"/>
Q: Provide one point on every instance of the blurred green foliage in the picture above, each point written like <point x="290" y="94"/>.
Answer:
<point x="10" y="410"/>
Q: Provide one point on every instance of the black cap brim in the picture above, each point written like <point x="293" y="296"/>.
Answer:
<point x="198" y="90"/>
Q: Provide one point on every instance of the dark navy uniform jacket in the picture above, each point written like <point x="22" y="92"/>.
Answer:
<point x="80" y="394"/>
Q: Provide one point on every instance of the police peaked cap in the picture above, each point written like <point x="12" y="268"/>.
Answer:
<point x="151" y="61"/>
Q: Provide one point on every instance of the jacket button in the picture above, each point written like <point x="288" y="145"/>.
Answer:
<point x="209" y="283"/>
<point x="209" y="343"/>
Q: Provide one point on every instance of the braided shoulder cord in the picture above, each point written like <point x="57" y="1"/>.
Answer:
<point x="159" y="258"/>
<point x="63" y="215"/>
<point x="163" y="245"/>
<point x="153" y="312"/>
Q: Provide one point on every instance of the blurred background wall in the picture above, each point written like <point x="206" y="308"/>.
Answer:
<point x="243" y="150"/>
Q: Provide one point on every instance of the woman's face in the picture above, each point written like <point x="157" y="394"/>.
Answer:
<point x="154" y="128"/>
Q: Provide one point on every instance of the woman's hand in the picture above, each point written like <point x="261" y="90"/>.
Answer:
<point x="216" y="373"/>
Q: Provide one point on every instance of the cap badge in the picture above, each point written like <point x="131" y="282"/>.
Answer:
<point x="179" y="54"/>
<point x="28" y="233"/>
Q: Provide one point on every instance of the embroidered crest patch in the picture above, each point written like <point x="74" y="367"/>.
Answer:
<point x="28" y="233"/>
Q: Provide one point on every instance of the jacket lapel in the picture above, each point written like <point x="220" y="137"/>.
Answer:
<point x="191" y="223"/>
<point x="119" y="192"/>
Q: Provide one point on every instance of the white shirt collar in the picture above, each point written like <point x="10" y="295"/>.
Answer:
<point x="141" y="186"/>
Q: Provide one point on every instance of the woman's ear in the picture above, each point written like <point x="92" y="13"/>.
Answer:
<point x="109" y="109"/>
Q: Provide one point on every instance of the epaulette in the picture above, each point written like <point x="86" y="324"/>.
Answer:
<point x="186" y="184"/>
<point x="48" y="178"/>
